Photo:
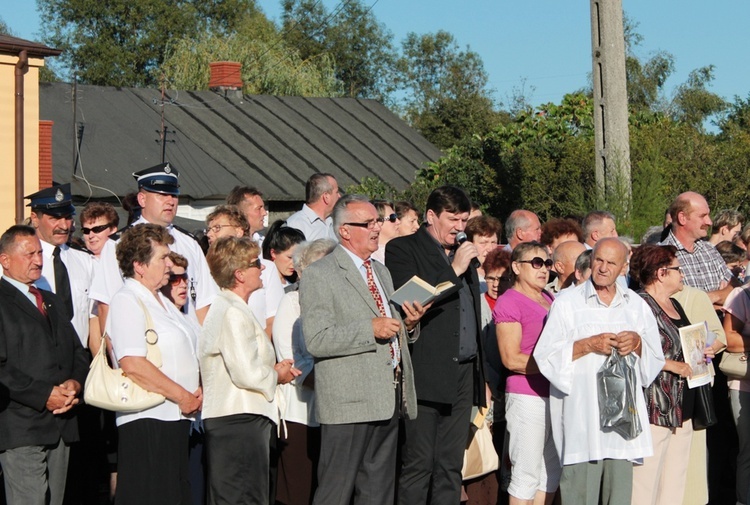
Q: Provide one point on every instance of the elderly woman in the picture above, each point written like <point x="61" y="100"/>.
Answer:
<point x="390" y="228"/>
<point x="153" y="443"/>
<point x="519" y="316"/>
<point x="278" y="246"/>
<point x="409" y="216"/>
<point x="298" y="454"/>
<point x="662" y="477"/>
<point x="240" y="378"/>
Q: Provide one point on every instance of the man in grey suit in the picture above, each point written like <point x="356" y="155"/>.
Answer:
<point x="363" y="373"/>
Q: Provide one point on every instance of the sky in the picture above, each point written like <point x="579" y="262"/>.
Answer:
<point x="542" y="48"/>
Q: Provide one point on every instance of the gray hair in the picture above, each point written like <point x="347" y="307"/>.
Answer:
<point x="652" y="235"/>
<point x="594" y="219"/>
<point x="310" y="252"/>
<point x="341" y="210"/>
<point x="317" y="185"/>
<point x="518" y="219"/>
<point x="583" y="262"/>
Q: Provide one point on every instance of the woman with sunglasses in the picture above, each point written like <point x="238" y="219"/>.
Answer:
<point x="390" y="228"/>
<point x="240" y="378"/>
<point x="662" y="478"/>
<point x="519" y="316"/>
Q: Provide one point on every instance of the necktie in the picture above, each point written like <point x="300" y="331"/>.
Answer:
<point x="62" y="282"/>
<point x="375" y="292"/>
<point x="39" y="300"/>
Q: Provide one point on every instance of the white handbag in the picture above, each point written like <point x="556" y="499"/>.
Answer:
<point x="112" y="389"/>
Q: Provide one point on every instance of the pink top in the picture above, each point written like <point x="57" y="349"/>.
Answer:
<point x="515" y="307"/>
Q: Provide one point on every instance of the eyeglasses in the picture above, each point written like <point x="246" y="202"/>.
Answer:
<point x="176" y="279"/>
<point x="95" y="229"/>
<point x="677" y="268"/>
<point x="391" y="219"/>
<point x="537" y="263"/>
<point x="217" y="228"/>
<point x="370" y="225"/>
<point x="254" y="263"/>
<point x="490" y="279"/>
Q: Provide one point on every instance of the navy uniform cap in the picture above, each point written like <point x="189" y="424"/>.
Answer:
<point x="55" y="201"/>
<point x="161" y="178"/>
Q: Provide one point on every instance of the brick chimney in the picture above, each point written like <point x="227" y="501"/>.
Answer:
<point x="45" y="154"/>
<point x="225" y="76"/>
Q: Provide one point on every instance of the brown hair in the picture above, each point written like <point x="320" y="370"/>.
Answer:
<point x="137" y="244"/>
<point x="229" y="254"/>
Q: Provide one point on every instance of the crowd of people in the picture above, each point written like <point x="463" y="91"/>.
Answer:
<point x="290" y="376"/>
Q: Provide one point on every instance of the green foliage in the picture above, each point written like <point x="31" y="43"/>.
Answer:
<point x="374" y="188"/>
<point x="445" y="89"/>
<point x="737" y="118"/>
<point x="268" y="66"/>
<point x="693" y="102"/>
<point x="359" y="46"/>
<point x="121" y="42"/>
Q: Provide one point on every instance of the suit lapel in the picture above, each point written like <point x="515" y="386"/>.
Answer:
<point x="23" y="303"/>
<point x="354" y="277"/>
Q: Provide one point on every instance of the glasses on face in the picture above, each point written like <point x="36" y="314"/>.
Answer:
<point x="217" y="228"/>
<point x="537" y="263"/>
<point x="371" y="224"/>
<point x="391" y="218"/>
<point x="491" y="279"/>
<point x="677" y="268"/>
<point x="254" y="263"/>
<point x="95" y="229"/>
<point x="176" y="279"/>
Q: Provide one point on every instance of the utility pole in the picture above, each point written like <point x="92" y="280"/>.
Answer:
<point x="163" y="131"/>
<point x="612" y="142"/>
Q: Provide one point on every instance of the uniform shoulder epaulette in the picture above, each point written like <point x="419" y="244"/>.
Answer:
<point x="183" y="230"/>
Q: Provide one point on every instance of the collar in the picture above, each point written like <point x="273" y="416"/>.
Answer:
<point x="358" y="262"/>
<point x="621" y="295"/>
<point x="672" y="240"/>
<point x="142" y="220"/>
<point x="23" y="288"/>
<point x="311" y="215"/>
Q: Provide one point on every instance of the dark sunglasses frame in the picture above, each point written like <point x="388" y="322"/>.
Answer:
<point x="95" y="229"/>
<point x="255" y="263"/>
<point x="174" y="279"/>
<point x="537" y="262"/>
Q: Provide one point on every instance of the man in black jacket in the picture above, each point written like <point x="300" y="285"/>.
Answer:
<point x="447" y="356"/>
<point x="42" y="370"/>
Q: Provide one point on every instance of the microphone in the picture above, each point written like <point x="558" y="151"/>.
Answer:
<point x="460" y="239"/>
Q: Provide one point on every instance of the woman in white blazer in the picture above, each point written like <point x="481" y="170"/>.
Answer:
<point x="240" y="378"/>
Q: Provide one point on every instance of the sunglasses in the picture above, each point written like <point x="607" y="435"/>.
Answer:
<point x="255" y="263"/>
<point x="175" y="279"/>
<point x="537" y="263"/>
<point x="95" y="229"/>
<point x="392" y="218"/>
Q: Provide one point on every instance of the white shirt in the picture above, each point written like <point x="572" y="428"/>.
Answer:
<point x="574" y="409"/>
<point x="80" y="267"/>
<point x="264" y="302"/>
<point x="126" y="326"/>
<point x="201" y="287"/>
<point x="290" y="344"/>
<point x="311" y="225"/>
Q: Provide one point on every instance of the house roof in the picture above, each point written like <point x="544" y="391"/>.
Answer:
<point x="218" y="142"/>
<point x="14" y="45"/>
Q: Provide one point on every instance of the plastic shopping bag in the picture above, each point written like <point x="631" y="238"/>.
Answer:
<point x="617" y="389"/>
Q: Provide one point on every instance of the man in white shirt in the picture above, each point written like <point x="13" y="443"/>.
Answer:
<point x="314" y="220"/>
<point x="584" y="326"/>
<point x="67" y="271"/>
<point x="249" y="201"/>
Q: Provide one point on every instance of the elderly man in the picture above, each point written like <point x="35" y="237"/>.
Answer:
<point x="522" y="226"/>
<point x="42" y="370"/>
<point x="597" y="225"/>
<point x="68" y="272"/>
<point x="584" y="327"/>
<point x="362" y="361"/>
<point x="314" y="220"/>
<point x="701" y="263"/>
<point x="564" y="265"/>
<point x="448" y="356"/>
<point x="158" y="196"/>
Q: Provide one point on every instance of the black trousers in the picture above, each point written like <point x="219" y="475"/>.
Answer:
<point x="238" y="455"/>
<point x="433" y="450"/>
<point x="152" y="464"/>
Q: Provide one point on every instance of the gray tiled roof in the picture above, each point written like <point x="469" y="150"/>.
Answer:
<point x="273" y="143"/>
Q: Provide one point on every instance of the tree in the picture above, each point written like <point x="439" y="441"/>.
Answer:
<point x="121" y="42"/>
<point x="360" y="46"/>
<point x="268" y="65"/>
<point x="693" y="103"/>
<point x="445" y="89"/>
<point x="4" y="28"/>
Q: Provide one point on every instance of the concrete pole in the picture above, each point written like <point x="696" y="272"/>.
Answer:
<point x="612" y="143"/>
